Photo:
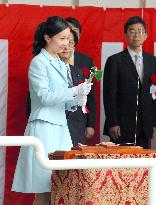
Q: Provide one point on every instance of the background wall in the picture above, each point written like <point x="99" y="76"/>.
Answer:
<point x="104" y="3"/>
<point x="17" y="24"/>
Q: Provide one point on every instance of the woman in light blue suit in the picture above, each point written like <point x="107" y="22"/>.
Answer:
<point x="50" y="97"/>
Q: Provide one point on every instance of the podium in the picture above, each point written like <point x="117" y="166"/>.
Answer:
<point x="126" y="186"/>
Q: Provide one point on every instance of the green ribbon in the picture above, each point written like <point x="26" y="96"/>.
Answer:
<point x="95" y="72"/>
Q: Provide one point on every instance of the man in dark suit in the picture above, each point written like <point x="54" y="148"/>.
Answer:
<point x="82" y="61"/>
<point x="76" y="120"/>
<point x="129" y="107"/>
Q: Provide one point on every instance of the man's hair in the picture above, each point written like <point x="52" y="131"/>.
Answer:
<point x="134" y="20"/>
<point x="75" y="37"/>
<point x="75" y="22"/>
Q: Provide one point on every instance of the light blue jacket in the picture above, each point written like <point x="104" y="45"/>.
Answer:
<point x="49" y="91"/>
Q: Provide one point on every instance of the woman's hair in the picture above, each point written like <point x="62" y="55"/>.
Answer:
<point x="52" y="26"/>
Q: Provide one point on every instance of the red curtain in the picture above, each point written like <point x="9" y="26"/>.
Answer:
<point x="17" y="24"/>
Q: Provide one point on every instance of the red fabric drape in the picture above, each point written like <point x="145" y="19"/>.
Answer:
<point x="18" y="23"/>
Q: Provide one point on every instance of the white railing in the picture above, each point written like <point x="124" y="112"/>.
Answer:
<point x="85" y="163"/>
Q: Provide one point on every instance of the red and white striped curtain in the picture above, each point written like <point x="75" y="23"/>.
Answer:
<point x="102" y="35"/>
<point x="3" y="109"/>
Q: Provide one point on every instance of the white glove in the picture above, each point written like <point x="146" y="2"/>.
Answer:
<point x="82" y="100"/>
<point x="82" y="89"/>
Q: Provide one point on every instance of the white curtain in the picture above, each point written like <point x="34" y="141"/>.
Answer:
<point x="3" y="109"/>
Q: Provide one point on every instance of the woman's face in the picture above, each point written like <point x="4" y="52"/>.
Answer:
<point x="57" y="43"/>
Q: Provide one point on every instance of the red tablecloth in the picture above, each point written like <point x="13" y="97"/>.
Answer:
<point x="102" y="186"/>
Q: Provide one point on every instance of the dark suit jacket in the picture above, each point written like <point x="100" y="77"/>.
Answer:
<point x="77" y="120"/>
<point x="120" y="89"/>
<point x="83" y="61"/>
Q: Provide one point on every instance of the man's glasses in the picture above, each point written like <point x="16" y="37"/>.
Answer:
<point x="71" y="44"/>
<point x="133" y="32"/>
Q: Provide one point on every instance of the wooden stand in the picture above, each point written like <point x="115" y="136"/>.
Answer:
<point x="100" y="149"/>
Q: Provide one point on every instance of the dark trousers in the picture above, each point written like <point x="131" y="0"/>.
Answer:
<point x="141" y="140"/>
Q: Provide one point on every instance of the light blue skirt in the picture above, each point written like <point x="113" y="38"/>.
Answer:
<point x="29" y="176"/>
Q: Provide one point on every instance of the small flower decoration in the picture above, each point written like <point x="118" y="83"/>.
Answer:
<point x="94" y="72"/>
<point x="153" y="86"/>
<point x="86" y="72"/>
<point x="153" y="79"/>
<point x="81" y="81"/>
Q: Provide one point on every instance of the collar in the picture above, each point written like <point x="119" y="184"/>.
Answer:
<point x="67" y="64"/>
<point x="133" y="53"/>
<point x="47" y="55"/>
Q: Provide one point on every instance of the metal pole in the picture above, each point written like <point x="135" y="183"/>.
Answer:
<point x="85" y="163"/>
<point x="73" y="163"/>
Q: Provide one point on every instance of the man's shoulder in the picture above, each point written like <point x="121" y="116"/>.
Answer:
<point x="119" y="54"/>
<point x="81" y="60"/>
<point x="76" y="69"/>
<point x="82" y="55"/>
<point x="148" y="55"/>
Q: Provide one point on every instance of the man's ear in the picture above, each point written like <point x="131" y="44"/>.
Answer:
<point x="125" y="35"/>
<point x="145" y="37"/>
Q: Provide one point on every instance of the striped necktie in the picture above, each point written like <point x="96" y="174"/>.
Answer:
<point x="69" y="77"/>
<point x="139" y="67"/>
